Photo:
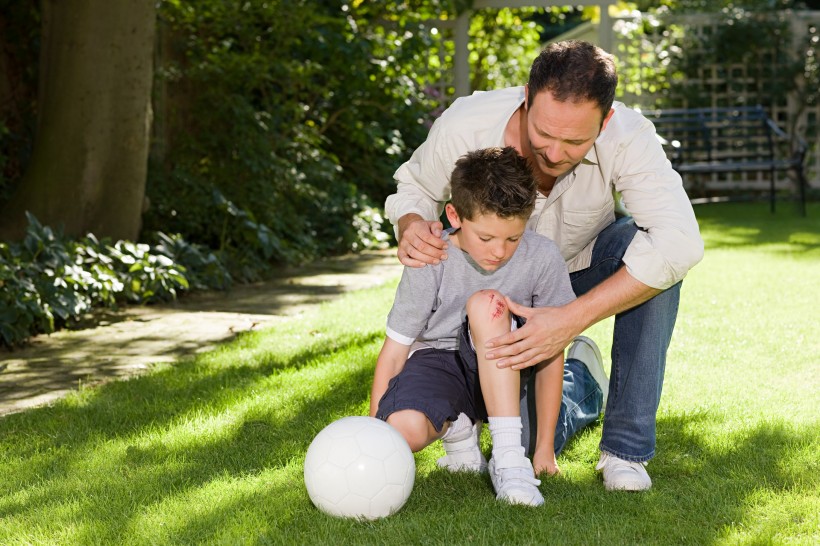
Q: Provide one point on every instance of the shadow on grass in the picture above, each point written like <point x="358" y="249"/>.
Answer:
<point x="703" y="487"/>
<point x="117" y="436"/>
<point x="111" y="458"/>
<point x="734" y="225"/>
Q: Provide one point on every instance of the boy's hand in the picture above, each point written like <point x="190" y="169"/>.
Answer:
<point x="420" y="241"/>
<point x="546" y="333"/>
<point x="545" y="463"/>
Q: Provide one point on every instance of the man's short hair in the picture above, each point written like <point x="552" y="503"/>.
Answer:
<point x="493" y="181"/>
<point x="575" y="71"/>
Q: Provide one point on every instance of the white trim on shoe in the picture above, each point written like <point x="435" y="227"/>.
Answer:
<point x="585" y="350"/>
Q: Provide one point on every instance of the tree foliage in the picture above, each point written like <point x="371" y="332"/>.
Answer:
<point x="287" y="118"/>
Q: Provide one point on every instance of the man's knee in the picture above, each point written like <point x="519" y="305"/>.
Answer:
<point x="614" y="239"/>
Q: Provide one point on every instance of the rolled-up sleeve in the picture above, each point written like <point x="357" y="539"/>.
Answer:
<point x="669" y="242"/>
<point x="423" y="182"/>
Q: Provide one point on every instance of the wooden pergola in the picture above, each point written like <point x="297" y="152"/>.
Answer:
<point x="461" y="33"/>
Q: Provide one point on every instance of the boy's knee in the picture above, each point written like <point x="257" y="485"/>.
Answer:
<point x="413" y="426"/>
<point x="487" y="305"/>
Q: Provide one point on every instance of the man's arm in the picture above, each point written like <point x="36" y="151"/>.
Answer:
<point x="549" y="384"/>
<point x="389" y="363"/>
<point x="668" y="243"/>
<point x="551" y="329"/>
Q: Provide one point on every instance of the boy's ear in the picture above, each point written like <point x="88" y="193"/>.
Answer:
<point x="452" y="215"/>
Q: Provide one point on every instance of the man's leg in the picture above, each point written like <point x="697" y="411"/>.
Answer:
<point x="640" y="341"/>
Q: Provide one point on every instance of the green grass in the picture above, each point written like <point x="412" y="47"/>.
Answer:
<point x="210" y="450"/>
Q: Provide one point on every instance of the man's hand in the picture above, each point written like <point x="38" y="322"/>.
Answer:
<point x="546" y="333"/>
<point x="420" y="241"/>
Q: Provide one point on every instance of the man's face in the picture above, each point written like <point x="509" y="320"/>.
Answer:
<point x="561" y="133"/>
<point x="489" y="240"/>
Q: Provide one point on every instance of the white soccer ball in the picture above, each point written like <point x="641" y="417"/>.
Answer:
<point x="359" y="467"/>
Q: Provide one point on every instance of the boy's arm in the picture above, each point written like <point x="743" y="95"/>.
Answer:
<point x="549" y="384"/>
<point x="390" y="362"/>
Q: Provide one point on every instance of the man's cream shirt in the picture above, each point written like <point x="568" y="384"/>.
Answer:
<point x="625" y="169"/>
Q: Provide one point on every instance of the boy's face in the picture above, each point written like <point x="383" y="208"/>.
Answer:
<point x="489" y="240"/>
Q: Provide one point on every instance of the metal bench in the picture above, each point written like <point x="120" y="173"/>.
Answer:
<point x="730" y="140"/>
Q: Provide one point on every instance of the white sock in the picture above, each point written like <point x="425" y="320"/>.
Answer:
<point x="506" y="434"/>
<point x="463" y="422"/>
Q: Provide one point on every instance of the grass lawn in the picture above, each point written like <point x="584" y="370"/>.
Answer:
<point x="210" y="450"/>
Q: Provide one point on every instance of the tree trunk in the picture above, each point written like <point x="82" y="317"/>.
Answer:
<point x="88" y="167"/>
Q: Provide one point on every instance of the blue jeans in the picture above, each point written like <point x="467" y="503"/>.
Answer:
<point x="581" y="404"/>
<point x="640" y="340"/>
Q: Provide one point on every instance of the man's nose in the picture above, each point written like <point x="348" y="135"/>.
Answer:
<point x="552" y="152"/>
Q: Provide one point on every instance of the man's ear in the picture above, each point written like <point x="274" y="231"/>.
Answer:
<point x="607" y="118"/>
<point x="452" y="215"/>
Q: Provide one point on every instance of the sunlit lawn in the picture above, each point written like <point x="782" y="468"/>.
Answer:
<point x="210" y="450"/>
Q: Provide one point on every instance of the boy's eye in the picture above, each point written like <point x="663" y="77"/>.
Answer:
<point x="485" y="239"/>
<point x="513" y="239"/>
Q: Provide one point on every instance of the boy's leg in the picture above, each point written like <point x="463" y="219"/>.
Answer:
<point x="511" y="472"/>
<point x="488" y="316"/>
<point x="582" y="396"/>
<point x="424" y="401"/>
<point x="415" y="427"/>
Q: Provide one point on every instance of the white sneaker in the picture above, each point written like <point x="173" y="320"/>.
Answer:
<point x="621" y="475"/>
<point x="585" y="350"/>
<point x="514" y="479"/>
<point x="462" y="451"/>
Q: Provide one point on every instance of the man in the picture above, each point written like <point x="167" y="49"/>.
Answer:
<point x="588" y="154"/>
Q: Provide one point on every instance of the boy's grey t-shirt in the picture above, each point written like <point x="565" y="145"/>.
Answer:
<point x="429" y="308"/>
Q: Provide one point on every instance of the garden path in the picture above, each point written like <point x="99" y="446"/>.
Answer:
<point x="126" y="342"/>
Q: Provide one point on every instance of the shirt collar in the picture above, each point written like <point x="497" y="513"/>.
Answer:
<point x="592" y="155"/>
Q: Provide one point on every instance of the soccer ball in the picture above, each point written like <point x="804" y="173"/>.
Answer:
<point x="359" y="467"/>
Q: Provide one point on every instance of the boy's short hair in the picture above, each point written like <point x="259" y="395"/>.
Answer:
<point x="574" y="71"/>
<point x="493" y="181"/>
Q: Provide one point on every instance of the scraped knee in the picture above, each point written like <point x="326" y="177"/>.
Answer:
<point x="488" y="306"/>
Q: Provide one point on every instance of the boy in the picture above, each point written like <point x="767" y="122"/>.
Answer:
<point x="425" y="382"/>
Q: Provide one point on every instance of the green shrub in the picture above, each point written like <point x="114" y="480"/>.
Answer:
<point x="47" y="281"/>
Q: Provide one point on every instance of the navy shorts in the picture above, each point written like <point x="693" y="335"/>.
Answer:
<point x="439" y="383"/>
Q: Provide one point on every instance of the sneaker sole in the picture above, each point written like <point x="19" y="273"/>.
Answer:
<point x="628" y="487"/>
